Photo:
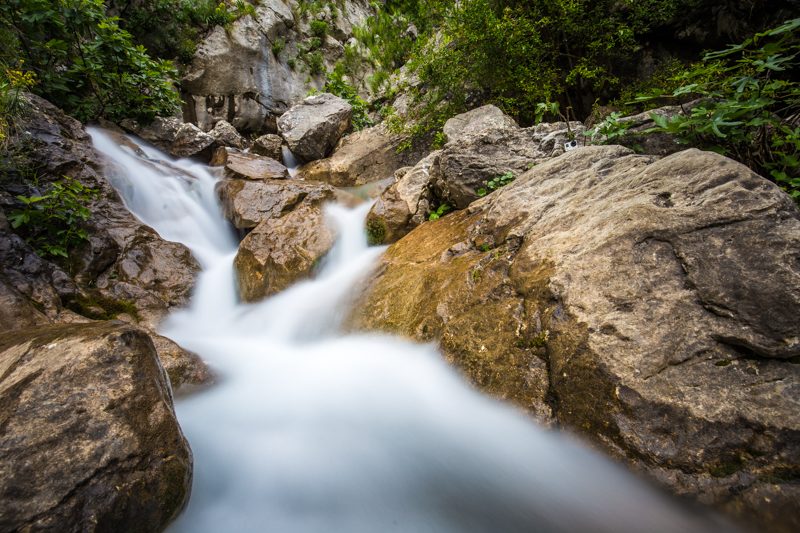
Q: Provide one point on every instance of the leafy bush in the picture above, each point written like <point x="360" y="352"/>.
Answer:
<point x="54" y="223"/>
<point x="750" y="104"/>
<point x="610" y="128"/>
<point x="319" y="28"/>
<point x="12" y="82"/>
<point x="85" y="63"/>
<point x="278" y="46"/>
<point x="337" y="85"/>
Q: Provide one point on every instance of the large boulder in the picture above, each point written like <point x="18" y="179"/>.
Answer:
<point x="404" y="205"/>
<point x="226" y="135"/>
<point x="312" y="128"/>
<point x="362" y="157"/>
<point x="244" y="165"/>
<point x="651" y="305"/>
<point x="247" y="203"/>
<point x="171" y="134"/>
<point x="269" y="145"/>
<point x="476" y="121"/>
<point x="90" y="441"/>
<point x="280" y="251"/>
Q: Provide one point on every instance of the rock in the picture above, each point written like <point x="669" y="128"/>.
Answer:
<point x="269" y="145"/>
<point x="280" y="251"/>
<point x="469" y="163"/>
<point x="477" y="121"/>
<point x="651" y="305"/>
<point x="191" y="141"/>
<point x="184" y="368"/>
<point x="242" y="165"/>
<point x="90" y="441"/>
<point x="226" y="135"/>
<point x="16" y="311"/>
<point x="404" y="205"/>
<point x="361" y="157"/>
<point x="312" y="128"/>
<point x="247" y="203"/>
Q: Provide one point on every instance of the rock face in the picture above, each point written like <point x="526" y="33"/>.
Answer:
<point x="477" y="121"/>
<point x="247" y="203"/>
<point x="124" y="271"/>
<point x="312" y="128"/>
<point x="279" y="251"/>
<point x="269" y="145"/>
<point x="651" y="305"/>
<point x="78" y="453"/>
<point x="248" y="166"/>
<point x="362" y="157"/>
<point x="459" y="174"/>
<point x="253" y="71"/>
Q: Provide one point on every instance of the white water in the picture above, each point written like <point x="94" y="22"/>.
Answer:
<point x="309" y="430"/>
<point x="289" y="160"/>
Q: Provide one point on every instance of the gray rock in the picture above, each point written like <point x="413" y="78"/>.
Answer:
<point x="90" y="441"/>
<point x="249" y="166"/>
<point x="172" y="135"/>
<point x="226" y="135"/>
<point x="247" y="203"/>
<point x="313" y="128"/>
<point x="651" y="305"/>
<point x="477" y="121"/>
<point x="269" y="145"/>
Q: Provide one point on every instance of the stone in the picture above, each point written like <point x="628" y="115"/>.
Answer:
<point x="476" y="121"/>
<point x="269" y="145"/>
<point x="243" y="165"/>
<point x="280" y="251"/>
<point x="362" y="157"/>
<point x="16" y="311"/>
<point x="648" y="304"/>
<point x="191" y="141"/>
<point x="226" y="135"/>
<point x="90" y="441"/>
<point x="312" y="128"/>
<point x="404" y="205"/>
<point x="469" y="163"/>
<point x="184" y="369"/>
<point x="247" y="203"/>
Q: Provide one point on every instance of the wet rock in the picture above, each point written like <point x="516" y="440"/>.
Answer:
<point x="16" y="311"/>
<point x="242" y="165"/>
<point x="361" y="157"/>
<point x="247" y="203"/>
<point x="477" y="121"/>
<point x="404" y="205"/>
<point x="191" y="141"/>
<point x="90" y="441"/>
<point x="312" y="128"/>
<point x="174" y="136"/>
<point x="280" y="251"/>
<point x="226" y="135"/>
<point x="183" y="368"/>
<point x="269" y="145"/>
<point x="655" y="314"/>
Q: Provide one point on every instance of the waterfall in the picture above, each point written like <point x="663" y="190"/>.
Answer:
<point x="308" y="429"/>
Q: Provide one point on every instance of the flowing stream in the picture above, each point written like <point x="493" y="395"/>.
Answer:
<point x="311" y="430"/>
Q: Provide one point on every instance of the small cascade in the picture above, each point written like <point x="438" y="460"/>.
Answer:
<point x="289" y="160"/>
<point x="309" y="429"/>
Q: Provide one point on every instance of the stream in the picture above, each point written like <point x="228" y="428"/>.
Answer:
<point x="308" y="429"/>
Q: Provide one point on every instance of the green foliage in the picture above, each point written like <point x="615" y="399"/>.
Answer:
<point x="278" y="46"/>
<point x="749" y="107"/>
<point x="85" y="62"/>
<point x="440" y="211"/>
<point x="315" y="62"/>
<point x="54" y="223"/>
<point x="12" y="82"/>
<point x="336" y="84"/>
<point x="609" y="129"/>
<point x="319" y="28"/>
<point x="496" y="183"/>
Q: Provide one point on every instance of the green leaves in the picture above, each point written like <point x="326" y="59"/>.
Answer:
<point x="496" y="183"/>
<point x="54" y="222"/>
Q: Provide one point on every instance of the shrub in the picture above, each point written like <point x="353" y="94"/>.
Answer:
<point x="12" y="82"/>
<point x="85" y="63"/>
<point x="750" y="104"/>
<point x="54" y="222"/>
<point x="278" y="46"/>
<point x="337" y="85"/>
<point x="319" y="28"/>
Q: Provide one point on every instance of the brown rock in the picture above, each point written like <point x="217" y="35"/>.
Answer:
<point x="362" y="157"/>
<point x="226" y="135"/>
<point x="651" y="305"/>
<point x="248" y="166"/>
<point x="183" y="368"/>
<point x="280" y="251"/>
<point x="90" y="441"/>
<point x="312" y="128"/>
<point x="269" y="145"/>
<point x="246" y="203"/>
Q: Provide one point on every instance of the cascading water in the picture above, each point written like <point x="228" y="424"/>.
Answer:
<point x="311" y="430"/>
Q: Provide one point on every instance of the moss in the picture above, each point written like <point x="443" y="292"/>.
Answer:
<point x="376" y="231"/>
<point x="98" y="307"/>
